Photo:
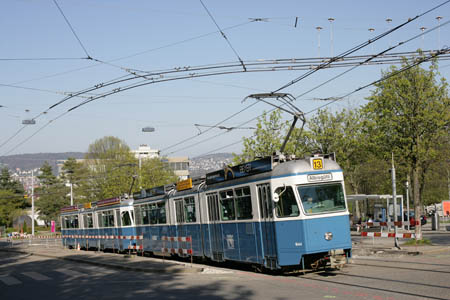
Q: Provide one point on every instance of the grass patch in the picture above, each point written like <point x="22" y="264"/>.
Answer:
<point x="414" y="242"/>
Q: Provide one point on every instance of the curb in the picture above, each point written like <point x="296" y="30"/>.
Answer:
<point x="169" y="269"/>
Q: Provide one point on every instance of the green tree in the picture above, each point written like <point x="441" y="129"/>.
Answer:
<point x="409" y="115"/>
<point x="154" y="172"/>
<point x="7" y="183"/>
<point x="46" y="177"/>
<point x="12" y="200"/>
<point x="266" y="138"/>
<point x="112" y="167"/>
<point x="51" y="196"/>
<point x="10" y="206"/>
<point x="340" y="133"/>
<point x="77" y="174"/>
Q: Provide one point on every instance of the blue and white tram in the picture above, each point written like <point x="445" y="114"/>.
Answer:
<point x="276" y="213"/>
<point x="104" y="225"/>
<point x="69" y="225"/>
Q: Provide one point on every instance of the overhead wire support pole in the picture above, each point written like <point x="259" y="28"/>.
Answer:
<point x="224" y="36"/>
<point x="394" y="198"/>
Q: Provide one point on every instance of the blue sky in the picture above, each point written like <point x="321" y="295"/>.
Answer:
<point x="159" y="35"/>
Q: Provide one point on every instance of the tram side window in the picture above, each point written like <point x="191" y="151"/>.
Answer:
<point x="287" y="205"/>
<point x="243" y="203"/>
<point x="145" y="214"/>
<point x="189" y="209"/>
<point x="88" y="221"/>
<point x="157" y="213"/>
<point x="227" y="205"/>
<point x="161" y="213"/>
<point x="126" y="218"/>
<point x="107" y="218"/>
<point x="68" y="221"/>
<point x="213" y="210"/>
<point x="179" y="210"/>
<point x="138" y="215"/>
<point x="74" y="221"/>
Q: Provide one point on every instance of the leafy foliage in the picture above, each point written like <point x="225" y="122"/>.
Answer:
<point x="266" y="139"/>
<point x="51" y="196"/>
<point x="12" y="200"/>
<point x="409" y="115"/>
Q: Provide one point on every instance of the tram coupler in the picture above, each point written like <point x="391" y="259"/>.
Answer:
<point x="337" y="258"/>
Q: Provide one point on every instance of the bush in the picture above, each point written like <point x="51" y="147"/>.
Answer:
<point x="414" y="242"/>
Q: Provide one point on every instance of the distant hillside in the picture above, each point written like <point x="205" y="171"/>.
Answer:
<point x="36" y="160"/>
<point x="201" y="165"/>
<point x="198" y="166"/>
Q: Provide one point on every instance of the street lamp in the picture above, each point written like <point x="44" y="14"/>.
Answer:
<point x="331" y="37"/>
<point x="28" y="122"/>
<point x="439" y="18"/>
<point x="148" y="129"/>
<point x="371" y="31"/>
<point x="145" y="129"/>
<point x="318" y="39"/>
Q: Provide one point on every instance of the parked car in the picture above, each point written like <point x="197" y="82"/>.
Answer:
<point x="423" y="218"/>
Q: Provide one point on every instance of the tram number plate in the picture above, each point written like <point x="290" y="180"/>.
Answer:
<point x="317" y="164"/>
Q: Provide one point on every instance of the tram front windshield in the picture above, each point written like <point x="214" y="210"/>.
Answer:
<point x="322" y="198"/>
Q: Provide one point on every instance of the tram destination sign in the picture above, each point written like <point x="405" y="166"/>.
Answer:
<point x="320" y="177"/>
<point x="106" y="202"/>
<point x="239" y="171"/>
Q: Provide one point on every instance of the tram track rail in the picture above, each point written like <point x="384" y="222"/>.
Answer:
<point x="421" y="282"/>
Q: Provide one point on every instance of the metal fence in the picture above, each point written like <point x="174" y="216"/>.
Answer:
<point x="37" y="241"/>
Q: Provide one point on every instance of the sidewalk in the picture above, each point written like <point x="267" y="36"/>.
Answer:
<point x="110" y="260"/>
<point x="385" y="246"/>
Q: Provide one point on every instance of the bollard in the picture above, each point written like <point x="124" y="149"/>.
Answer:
<point x="435" y="222"/>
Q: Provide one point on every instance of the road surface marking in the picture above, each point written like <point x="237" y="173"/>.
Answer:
<point x="69" y="272"/>
<point x="9" y="280"/>
<point x="36" y="276"/>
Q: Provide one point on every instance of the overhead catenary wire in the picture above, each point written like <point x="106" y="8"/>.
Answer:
<point x="420" y="61"/>
<point x="395" y="73"/>
<point x="366" y="61"/>
<point x="71" y="28"/>
<point x="117" y="90"/>
<point x="224" y="36"/>
<point x="183" y="77"/>
<point x="358" y="47"/>
<point x="41" y="90"/>
<point x="132" y="55"/>
<point x="41" y="58"/>
<point x="372" y="57"/>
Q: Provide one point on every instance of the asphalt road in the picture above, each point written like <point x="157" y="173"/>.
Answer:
<point x="376" y="278"/>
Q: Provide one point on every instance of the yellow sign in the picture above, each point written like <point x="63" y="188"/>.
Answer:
<point x="317" y="164"/>
<point x="184" y="184"/>
<point x="87" y="205"/>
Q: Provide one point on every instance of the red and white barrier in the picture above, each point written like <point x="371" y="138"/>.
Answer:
<point x="389" y="234"/>
<point x="136" y="247"/>
<point x="29" y="236"/>
<point x="181" y="251"/>
<point x="385" y="224"/>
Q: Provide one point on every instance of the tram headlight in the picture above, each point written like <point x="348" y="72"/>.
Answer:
<point x="328" y="236"/>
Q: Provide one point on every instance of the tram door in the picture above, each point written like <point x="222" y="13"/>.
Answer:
<point x="267" y="226"/>
<point x="215" y="229"/>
